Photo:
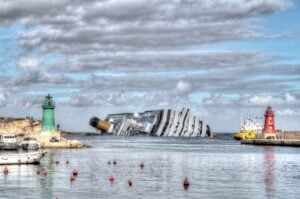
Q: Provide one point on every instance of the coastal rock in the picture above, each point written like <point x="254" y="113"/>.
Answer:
<point x="20" y="126"/>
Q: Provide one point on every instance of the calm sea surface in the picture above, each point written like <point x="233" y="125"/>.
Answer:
<point x="216" y="168"/>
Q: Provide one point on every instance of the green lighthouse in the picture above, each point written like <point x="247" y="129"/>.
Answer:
<point x="48" y="123"/>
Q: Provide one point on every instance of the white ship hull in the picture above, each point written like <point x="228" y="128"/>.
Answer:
<point x="21" y="158"/>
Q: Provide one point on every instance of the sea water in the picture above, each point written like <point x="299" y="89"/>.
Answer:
<point x="215" y="167"/>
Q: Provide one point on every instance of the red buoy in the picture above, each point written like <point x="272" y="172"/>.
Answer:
<point x="114" y="162"/>
<point x="5" y="170"/>
<point x="38" y="171"/>
<point x="108" y="162"/>
<point x="67" y="161"/>
<point x="45" y="172"/>
<point x="57" y="162"/>
<point x="72" y="178"/>
<point x="111" y="178"/>
<point x="75" y="172"/>
<point x="142" y="165"/>
<point x="130" y="182"/>
<point x="186" y="183"/>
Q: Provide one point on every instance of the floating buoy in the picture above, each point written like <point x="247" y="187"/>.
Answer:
<point x="111" y="178"/>
<point x="75" y="172"/>
<point x="5" y="170"/>
<point x="186" y="183"/>
<point x="72" y="178"/>
<point x="114" y="162"/>
<point x="108" y="162"/>
<point x="38" y="171"/>
<point x="57" y="162"/>
<point x="67" y="161"/>
<point x="45" y="172"/>
<point x="142" y="165"/>
<point x="130" y="182"/>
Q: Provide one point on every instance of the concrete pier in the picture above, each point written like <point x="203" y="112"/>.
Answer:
<point x="282" y="138"/>
<point x="272" y="142"/>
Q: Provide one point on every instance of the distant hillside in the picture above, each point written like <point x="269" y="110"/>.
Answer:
<point x="26" y="125"/>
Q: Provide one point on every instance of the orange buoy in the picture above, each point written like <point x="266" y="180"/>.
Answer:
<point x="111" y="178"/>
<point x="45" y="172"/>
<point x="186" y="183"/>
<point x="129" y="182"/>
<point x="75" y="172"/>
<point x="72" y="178"/>
<point x="142" y="165"/>
<point x="38" y="171"/>
<point x="114" y="162"/>
<point x="57" y="162"/>
<point x="5" y="170"/>
<point x="67" y="161"/>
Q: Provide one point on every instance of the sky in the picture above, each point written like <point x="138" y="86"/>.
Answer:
<point x="220" y="58"/>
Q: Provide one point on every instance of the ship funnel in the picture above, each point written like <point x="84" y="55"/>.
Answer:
<point x="99" y="124"/>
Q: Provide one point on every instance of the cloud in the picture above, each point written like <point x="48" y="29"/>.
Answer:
<point x="29" y="101"/>
<point x="3" y="97"/>
<point x="144" y="54"/>
<point x="287" y="99"/>
<point x="183" y="88"/>
<point x="219" y="100"/>
<point x="161" y="61"/>
<point x="84" y="28"/>
<point x="28" y="63"/>
<point x="288" y="112"/>
<point x="254" y="100"/>
<point x="38" y="77"/>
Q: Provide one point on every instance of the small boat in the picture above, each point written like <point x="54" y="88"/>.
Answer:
<point x="22" y="158"/>
<point x="30" y="143"/>
<point x="8" y="142"/>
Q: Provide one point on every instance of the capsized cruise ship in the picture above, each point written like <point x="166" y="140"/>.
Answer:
<point x="165" y="122"/>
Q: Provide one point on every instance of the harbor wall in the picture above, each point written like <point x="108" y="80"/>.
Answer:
<point x="289" y="135"/>
<point x="283" y="135"/>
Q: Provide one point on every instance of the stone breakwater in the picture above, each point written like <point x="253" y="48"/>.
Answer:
<point x="281" y="138"/>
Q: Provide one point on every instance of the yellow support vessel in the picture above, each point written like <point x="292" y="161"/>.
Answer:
<point x="249" y="129"/>
<point x="244" y="135"/>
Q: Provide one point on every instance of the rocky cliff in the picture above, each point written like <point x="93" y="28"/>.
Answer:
<point x="20" y="126"/>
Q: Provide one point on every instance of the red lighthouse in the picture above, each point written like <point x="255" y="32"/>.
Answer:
<point x="269" y="127"/>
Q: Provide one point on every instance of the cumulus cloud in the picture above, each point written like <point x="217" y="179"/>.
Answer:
<point x="288" y="112"/>
<point x="270" y="100"/>
<point x="183" y="88"/>
<point x="30" y="101"/>
<point x="254" y="100"/>
<point x="77" y="28"/>
<point x="38" y="77"/>
<point x="28" y="63"/>
<point x="219" y="100"/>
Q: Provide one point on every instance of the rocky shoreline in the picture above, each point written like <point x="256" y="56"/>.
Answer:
<point x="30" y="127"/>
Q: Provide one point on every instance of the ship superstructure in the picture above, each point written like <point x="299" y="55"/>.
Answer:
<point x="249" y="128"/>
<point x="164" y="122"/>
